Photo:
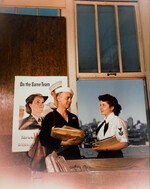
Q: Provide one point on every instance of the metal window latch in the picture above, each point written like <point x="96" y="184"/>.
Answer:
<point x="112" y="73"/>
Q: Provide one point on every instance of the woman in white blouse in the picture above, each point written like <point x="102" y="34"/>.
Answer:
<point x="111" y="126"/>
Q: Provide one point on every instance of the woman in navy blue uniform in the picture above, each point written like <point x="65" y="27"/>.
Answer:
<point x="111" y="126"/>
<point x="34" y="107"/>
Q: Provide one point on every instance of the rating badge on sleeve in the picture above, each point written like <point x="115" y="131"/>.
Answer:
<point x="120" y="131"/>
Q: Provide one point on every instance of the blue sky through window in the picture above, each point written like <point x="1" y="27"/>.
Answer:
<point x="130" y="95"/>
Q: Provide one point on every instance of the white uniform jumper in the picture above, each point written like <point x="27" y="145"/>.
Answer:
<point x="112" y="126"/>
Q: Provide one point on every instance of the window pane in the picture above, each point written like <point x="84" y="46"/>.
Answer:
<point x="128" y="93"/>
<point x="129" y="49"/>
<point x="86" y="39"/>
<point x="7" y="10"/>
<point x="47" y="12"/>
<point x="107" y="39"/>
<point x="27" y="11"/>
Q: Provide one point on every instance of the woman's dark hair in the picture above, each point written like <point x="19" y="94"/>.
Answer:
<point x="112" y="101"/>
<point x="30" y="99"/>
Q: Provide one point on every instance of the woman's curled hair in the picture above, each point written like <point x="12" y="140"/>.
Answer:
<point x="112" y="101"/>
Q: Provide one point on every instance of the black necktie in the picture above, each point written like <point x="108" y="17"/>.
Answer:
<point x="105" y="127"/>
<point x="97" y="130"/>
<point x="40" y="121"/>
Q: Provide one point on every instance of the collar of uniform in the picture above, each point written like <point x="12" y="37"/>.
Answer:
<point x="109" y="117"/>
<point x="36" y="117"/>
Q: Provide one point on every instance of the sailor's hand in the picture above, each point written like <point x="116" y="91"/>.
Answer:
<point x="70" y="142"/>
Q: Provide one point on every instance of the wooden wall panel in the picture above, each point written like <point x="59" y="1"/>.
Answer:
<point x="29" y="46"/>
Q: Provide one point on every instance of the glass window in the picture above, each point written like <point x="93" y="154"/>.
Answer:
<point x="10" y="10"/>
<point x="47" y="12"/>
<point x="130" y="95"/>
<point x="26" y="11"/>
<point x="29" y="11"/>
<point x="107" y="39"/>
<point x="87" y="53"/>
<point x="128" y="38"/>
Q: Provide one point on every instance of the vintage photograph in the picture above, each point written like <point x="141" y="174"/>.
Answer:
<point x="75" y="94"/>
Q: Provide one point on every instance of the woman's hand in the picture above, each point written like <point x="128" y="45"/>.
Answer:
<point x="71" y="142"/>
<point x="116" y="146"/>
<point x="98" y="148"/>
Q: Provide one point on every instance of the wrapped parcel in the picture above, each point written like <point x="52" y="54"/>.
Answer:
<point x="106" y="142"/>
<point x="67" y="132"/>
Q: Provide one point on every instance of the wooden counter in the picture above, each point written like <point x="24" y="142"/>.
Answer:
<point x="123" y="173"/>
<point x="132" y="173"/>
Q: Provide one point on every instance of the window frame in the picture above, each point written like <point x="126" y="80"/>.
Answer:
<point x="111" y="75"/>
<point x="37" y="11"/>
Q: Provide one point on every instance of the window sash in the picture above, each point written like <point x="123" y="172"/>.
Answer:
<point x="120" y="74"/>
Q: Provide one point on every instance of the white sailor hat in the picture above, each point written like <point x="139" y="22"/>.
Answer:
<point x="55" y="86"/>
<point x="64" y="89"/>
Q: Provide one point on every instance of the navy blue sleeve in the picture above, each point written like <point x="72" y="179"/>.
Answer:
<point x="44" y="135"/>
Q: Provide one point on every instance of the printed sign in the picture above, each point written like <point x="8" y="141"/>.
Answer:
<point x="32" y="101"/>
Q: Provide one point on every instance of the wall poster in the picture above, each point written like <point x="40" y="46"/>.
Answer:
<point x="32" y="100"/>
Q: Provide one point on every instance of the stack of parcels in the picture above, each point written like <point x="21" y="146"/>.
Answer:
<point x="107" y="141"/>
<point x="67" y="132"/>
<point x="55" y="163"/>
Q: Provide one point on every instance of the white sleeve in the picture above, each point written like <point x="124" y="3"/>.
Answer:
<point x="121" y="131"/>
